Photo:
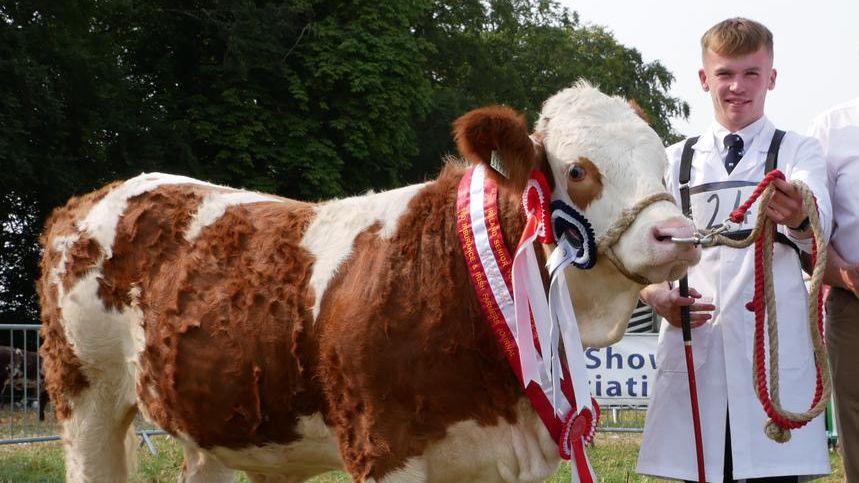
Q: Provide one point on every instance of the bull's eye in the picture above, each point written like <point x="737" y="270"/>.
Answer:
<point x="577" y="172"/>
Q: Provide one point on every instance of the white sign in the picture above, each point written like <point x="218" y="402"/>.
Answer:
<point x="623" y="373"/>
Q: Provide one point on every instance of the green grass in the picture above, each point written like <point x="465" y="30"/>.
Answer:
<point x="612" y="455"/>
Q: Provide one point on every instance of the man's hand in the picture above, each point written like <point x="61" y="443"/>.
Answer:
<point x="667" y="303"/>
<point x="786" y="206"/>
<point x="850" y="279"/>
<point x="838" y="272"/>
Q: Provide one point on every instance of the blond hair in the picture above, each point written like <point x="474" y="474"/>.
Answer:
<point x="737" y="36"/>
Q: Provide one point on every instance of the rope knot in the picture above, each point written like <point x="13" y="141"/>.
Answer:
<point x="776" y="433"/>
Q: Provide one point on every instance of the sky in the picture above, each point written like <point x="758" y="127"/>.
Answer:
<point x="816" y="49"/>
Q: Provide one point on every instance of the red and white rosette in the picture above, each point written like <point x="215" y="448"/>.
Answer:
<point x="536" y="201"/>
<point x="529" y="294"/>
<point x="579" y="430"/>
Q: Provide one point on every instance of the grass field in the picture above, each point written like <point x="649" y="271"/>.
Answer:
<point x="612" y="455"/>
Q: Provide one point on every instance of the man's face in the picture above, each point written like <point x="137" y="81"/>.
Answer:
<point x="738" y="86"/>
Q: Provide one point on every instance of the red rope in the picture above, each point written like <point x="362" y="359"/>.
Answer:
<point x="758" y="305"/>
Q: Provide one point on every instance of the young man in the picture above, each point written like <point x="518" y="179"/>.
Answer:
<point x="726" y="162"/>
<point x="838" y="131"/>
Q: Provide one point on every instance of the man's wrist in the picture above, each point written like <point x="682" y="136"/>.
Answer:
<point x="802" y="226"/>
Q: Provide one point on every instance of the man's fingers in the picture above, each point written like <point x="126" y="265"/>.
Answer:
<point x="776" y="214"/>
<point x="785" y="204"/>
<point x="677" y="299"/>
<point x="782" y="186"/>
<point x="700" y="316"/>
<point x="702" y="307"/>
<point x="684" y="301"/>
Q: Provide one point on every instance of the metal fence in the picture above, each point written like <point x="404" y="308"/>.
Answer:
<point x="23" y="400"/>
<point x="25" y="413"/>
<point x="622" y="419"/>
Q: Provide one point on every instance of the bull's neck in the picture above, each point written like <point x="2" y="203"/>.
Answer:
<point x="604" y="300"/>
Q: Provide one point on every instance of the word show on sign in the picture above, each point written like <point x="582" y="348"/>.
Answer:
<point x="621" y="373"/>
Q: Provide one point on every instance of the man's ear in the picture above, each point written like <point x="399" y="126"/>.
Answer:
<point x="501" y="130"/>
<point x="702" y="76"/>
<point x="773" y="75"/>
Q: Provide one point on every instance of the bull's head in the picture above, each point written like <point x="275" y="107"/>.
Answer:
<point x="601" y="158"/>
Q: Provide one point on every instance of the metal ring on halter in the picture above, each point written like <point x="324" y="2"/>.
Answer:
<point x="706" y="239"/>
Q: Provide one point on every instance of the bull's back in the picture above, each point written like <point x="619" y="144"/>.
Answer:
<point x="198" y="290"/>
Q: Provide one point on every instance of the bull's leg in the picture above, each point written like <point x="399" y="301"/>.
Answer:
<point x="201" y="467"/>
<point x="98" y="436"/>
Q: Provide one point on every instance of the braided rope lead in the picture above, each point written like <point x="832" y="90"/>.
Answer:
<point x="782" y="421"/>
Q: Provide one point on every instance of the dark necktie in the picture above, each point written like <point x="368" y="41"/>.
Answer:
<point x="734" y="143"/>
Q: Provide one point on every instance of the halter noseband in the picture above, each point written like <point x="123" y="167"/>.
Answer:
<point x="606" y="242"/>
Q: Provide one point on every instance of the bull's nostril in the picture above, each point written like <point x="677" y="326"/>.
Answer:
<point x="664" y="233"/>
<point x="661" y="236"/>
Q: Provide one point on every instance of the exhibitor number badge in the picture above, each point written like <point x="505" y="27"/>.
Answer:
<point x="712" y="203"/>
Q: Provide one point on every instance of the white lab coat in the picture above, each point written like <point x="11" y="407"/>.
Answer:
<point x="723" y="346"/>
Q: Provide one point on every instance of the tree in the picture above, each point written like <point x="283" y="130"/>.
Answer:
<point x="307" y="98"/>
<point x="58" y="100"/>
<point x="303" y="98"/>
<point x="519" y="52"/>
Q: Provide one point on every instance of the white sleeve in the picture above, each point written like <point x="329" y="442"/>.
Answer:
<point x="820" y="130"/>
<point x="810" y="168"/>
<point x="672" y="172"/>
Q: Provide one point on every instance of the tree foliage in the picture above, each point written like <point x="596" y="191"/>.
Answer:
<point x="307" y="98"/>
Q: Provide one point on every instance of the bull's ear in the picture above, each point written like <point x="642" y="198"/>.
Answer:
<point x="639" y="110"/>
<point x="500" y="129"/>
<point x="541" y="161"/>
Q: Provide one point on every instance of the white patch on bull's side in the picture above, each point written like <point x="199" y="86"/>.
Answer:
<point x="336" y="224"/>
<point x="521" y="452"/>
<point x="119" y="338"/>
<point x="315" y="452"/>
<point x="138" y="336"/>
<point x="61" y="244"/>
<point x="215" y="204"/>
<point x="100" y="223"/>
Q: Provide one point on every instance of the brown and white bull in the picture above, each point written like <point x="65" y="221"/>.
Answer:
<point x="286" y="339"/>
